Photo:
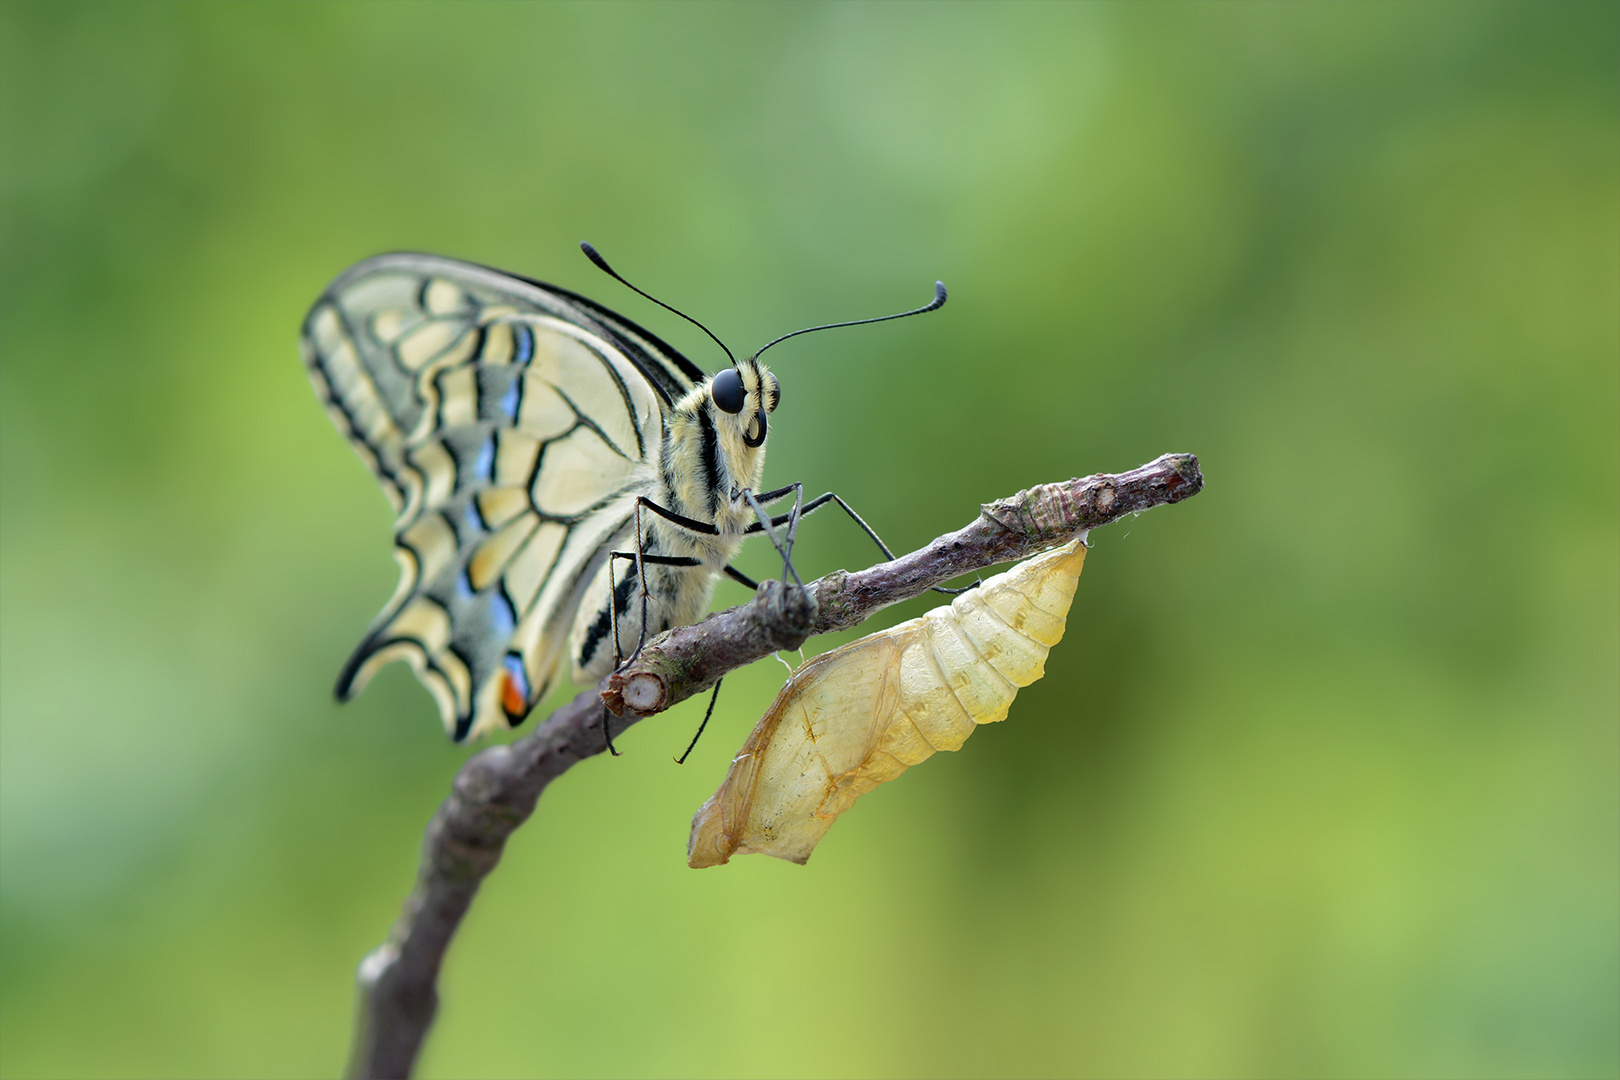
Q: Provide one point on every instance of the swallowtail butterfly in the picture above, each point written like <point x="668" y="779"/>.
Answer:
<point x="526" y="436"/>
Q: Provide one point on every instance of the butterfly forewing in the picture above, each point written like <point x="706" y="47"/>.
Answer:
<point x="511" y="425"/>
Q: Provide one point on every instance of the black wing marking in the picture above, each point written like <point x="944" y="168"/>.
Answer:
<point x="511" y="426"/>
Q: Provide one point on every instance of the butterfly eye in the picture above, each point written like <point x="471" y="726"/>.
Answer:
<point x="728" y="391"/>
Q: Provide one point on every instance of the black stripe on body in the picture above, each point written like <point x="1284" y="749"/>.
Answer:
<point x="711" y="460"/>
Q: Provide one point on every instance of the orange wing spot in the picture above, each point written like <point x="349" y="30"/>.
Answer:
<point x="512" y="699"/>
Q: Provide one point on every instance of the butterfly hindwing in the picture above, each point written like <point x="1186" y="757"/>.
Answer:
<point x="511" y="426"/>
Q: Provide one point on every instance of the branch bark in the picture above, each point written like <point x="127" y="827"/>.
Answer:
<point x="496" y="790"/>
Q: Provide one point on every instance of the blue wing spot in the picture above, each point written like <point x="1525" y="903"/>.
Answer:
<point x="512" y="398"/>
<point x="484" y="466"/>
<point x="464" y="587"/>
<point x="522" y="344"/>
<point x="500" y="609"/>
<point x="475" y="520"/>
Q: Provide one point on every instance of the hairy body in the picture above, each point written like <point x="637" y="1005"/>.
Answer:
<point x="704" y="468"/>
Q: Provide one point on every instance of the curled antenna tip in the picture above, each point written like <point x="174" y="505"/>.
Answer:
<point x="933" y="305"/>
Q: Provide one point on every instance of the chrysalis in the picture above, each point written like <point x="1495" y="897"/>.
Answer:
<point x="850" y="719"/>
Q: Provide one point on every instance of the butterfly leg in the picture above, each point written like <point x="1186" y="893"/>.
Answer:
<point x="795" y="516"/>
<point x="764" y="525"/>
<point x="619" y="602"/>
<point x="613" y="607"/>
<point x="641" y="572"/>
<point x="817" y="503"/>
<point x="703" y="528"/>
<point x="642" y="558"/>
<point x="741" y="578"/>
<point x="706" y="714"/>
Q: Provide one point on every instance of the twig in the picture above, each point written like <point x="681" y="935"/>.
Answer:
<point x="496" y="790"/>
<point x="688" y="659"/>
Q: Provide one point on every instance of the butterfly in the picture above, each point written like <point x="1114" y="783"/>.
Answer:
<point x="856" y="717"/>
<point x="531" y="441"/>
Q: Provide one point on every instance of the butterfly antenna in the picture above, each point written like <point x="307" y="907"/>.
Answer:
<point x="933" y="305"/>
<point x="601" y="264"/>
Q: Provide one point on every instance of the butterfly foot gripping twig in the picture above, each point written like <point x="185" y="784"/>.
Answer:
<point x="766" y="524"/>
<point x="802" y="509"/>
<point x="639" y="558"/>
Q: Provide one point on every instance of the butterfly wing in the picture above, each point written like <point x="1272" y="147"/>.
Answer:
<point x="511" y="424"/>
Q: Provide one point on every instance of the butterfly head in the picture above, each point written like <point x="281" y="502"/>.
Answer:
<point x="745" y="395"/>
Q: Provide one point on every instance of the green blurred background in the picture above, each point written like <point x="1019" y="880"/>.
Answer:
<point x="1325" y="777"/>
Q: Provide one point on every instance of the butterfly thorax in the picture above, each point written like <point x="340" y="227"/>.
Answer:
<point x="705" y="465"/>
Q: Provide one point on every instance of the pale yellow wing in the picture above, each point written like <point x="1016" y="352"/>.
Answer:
<point x="850" y="719"/>
<point x="511" y="424"/>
